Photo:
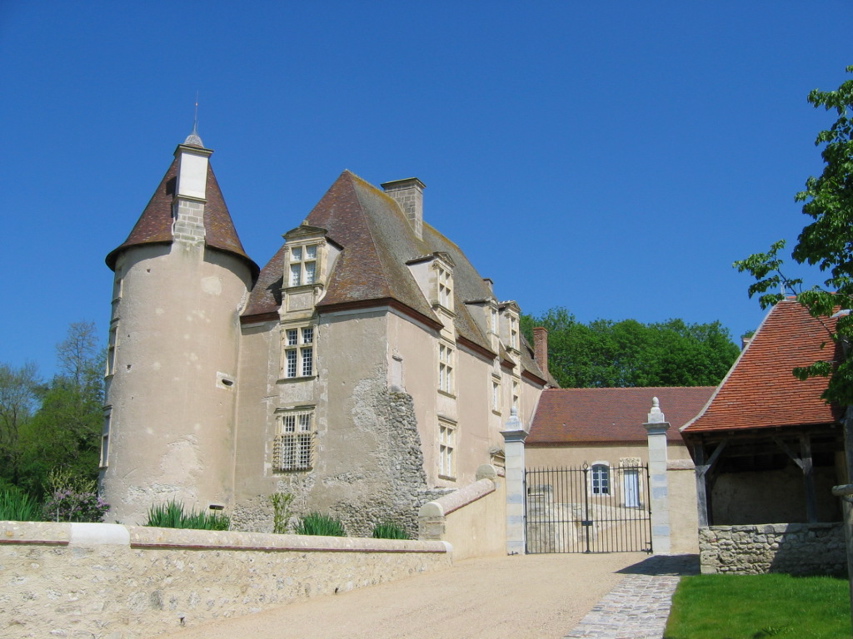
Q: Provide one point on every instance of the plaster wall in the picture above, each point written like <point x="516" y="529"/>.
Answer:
<point x="415" y="348"/>
<point x="477" y="432"/>
<point x="368" y="460"/>
<point x="171" y="392"/>
<point x="576" y="454"/>
<point x="478" y="529"/>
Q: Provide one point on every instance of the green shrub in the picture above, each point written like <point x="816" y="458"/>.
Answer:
<point x="172" y="515"/>
<point x="18" y="506"/>
<point x="319" y="524"/>
<point x="281" y="511"/>
<point x="389" y="530"/>
<point x="72" y="498"/>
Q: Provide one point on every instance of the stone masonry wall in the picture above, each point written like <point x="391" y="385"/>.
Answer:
<point x="796" y="549"/>
<point x="122" y="582"/>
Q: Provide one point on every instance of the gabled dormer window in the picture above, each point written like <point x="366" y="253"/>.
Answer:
<point x="303" y="265"/>
<point x="444" y="284"/>
<point x="510" y="329"/>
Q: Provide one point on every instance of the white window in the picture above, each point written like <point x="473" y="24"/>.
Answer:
<point x="445" y="368"/>
<point x="496" y="395"/>
<point x="446" y="450"/>
<point x="494" y="322"/>
<point x="600" y="479"/>
<point x="298" y="358"/>
<point x="303" y="265"/>
<point x="293" y="447"/>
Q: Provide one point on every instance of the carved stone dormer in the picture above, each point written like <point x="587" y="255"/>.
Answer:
<point x="510" y="326"/>
<point x="434" y="275"/>
<point x="485" y="313"/>
<point x="309" y="257"/>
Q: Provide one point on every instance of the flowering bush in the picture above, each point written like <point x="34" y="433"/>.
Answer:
<point x="73" y="499"/>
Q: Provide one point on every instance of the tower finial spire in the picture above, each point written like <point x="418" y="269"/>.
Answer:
<point x="193" y="138"/>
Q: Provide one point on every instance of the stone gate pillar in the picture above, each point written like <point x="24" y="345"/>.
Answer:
<point x="656" y="428"/>
<point x="514" y="437"/>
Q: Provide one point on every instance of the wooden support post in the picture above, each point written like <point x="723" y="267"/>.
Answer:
<point x="701" y="494"/>
<point x="703" y="469"/>
<point x="808" y="477"/>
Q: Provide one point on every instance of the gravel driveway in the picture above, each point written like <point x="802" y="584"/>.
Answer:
<point x="535" y="596"/>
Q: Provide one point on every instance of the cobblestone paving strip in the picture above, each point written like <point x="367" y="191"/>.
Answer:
<point x="639" y="606"/>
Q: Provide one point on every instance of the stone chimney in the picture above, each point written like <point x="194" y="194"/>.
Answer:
<point x="409" y="194"/>
<point x="540" y="347"/>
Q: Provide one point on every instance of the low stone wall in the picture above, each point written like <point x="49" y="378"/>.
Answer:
<point x="796" y="549"/>
<point x="122" y="582"/>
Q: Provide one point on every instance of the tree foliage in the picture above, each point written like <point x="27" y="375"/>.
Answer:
<point x="45" y="428"/>
<point x="19" y="390"/>
<point x="605" y="353"/>
<point x="825" y="242"/>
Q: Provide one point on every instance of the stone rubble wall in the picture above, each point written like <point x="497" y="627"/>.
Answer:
<point x="796" y="549"/>
<point x="109" y="581"/>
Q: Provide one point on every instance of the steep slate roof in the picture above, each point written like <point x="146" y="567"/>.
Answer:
<point x="760" y="391"/>
<point x="154" y="226"/>
<point x="378" y="242"/>
<point x="611" y="415"/>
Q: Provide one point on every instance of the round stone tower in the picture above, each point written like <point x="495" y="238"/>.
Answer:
<point x="181" y="280"/>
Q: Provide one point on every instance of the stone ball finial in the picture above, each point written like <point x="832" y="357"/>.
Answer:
<point x="655" y="416"/>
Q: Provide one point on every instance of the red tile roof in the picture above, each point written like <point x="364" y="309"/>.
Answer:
<point x="154" y="226"/>
<point x="760" y="391"/>
<point x="611" y="415"/>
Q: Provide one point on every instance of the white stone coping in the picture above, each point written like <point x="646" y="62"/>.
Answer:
<point x="64" y="534"/>
<point x="457" y="499"/>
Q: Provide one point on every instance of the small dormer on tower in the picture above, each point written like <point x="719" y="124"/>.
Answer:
<point x="409" y="194"/>
<point x="190" y="190"/>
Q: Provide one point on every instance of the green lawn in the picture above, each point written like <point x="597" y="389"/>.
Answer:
<point x="759" y="606"/>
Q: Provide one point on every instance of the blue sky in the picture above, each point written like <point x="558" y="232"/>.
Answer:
<point x="611" y="157"/>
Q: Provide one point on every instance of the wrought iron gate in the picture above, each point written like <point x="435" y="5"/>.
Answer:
<point x="596" y="508"/>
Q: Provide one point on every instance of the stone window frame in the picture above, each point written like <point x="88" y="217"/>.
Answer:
<point x="112" y="347"/>
<point x="296" y="353"/>
<point x="443" y="285"/>
<point x="446" y="368"/>
<point x="601" y="483"/>
<point x="447" y="447"/>
<point x="495" y="399"/>
<point x="515" y="399"/>
<point x="293" y="445"/>
<point x="104" y="460"/>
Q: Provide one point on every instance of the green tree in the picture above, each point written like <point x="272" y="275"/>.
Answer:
<point x="65" y="433"/>
<point x="605" y="353"/>
<point x="19" y="388"/>
<point x="825" y="242"/>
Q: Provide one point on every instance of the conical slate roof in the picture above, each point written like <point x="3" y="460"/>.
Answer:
<point x="154" y="226"/>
